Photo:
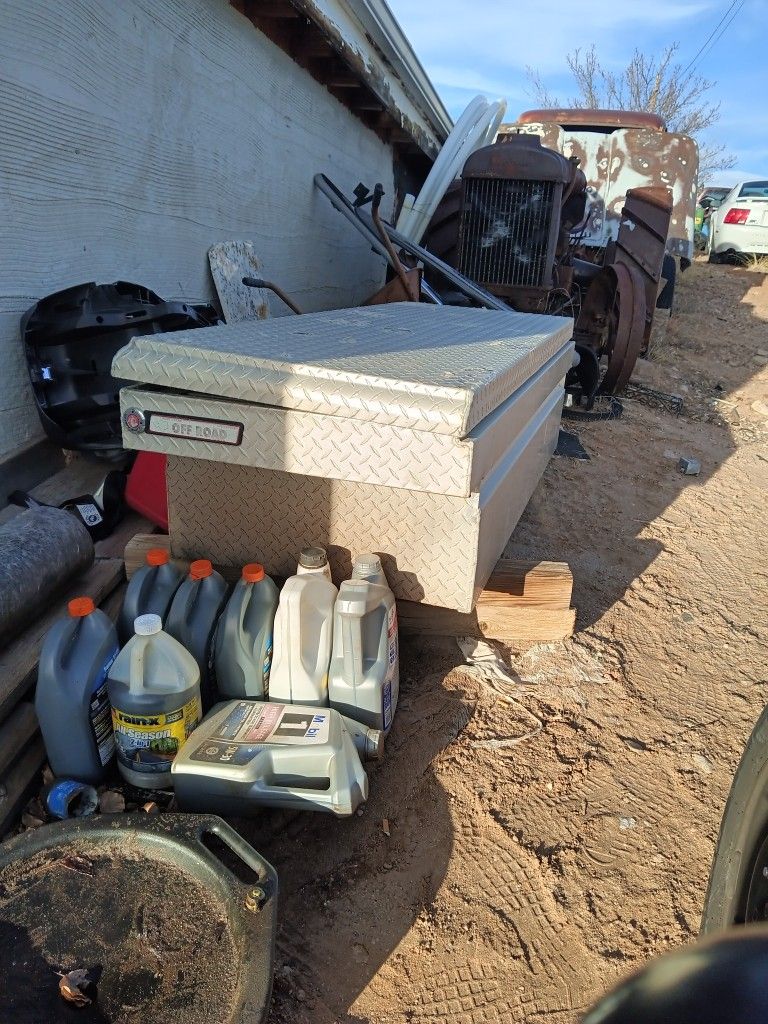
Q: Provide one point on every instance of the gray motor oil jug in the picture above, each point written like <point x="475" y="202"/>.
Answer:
<point x="193" y="615"/>
<point x="243" y="643"/>
<point x="364" y="677"/>
<point x="71" y="700"/>
<point x="150" y="591"/>
<point x="248" y="754"/>
<point x="154" y="689"/>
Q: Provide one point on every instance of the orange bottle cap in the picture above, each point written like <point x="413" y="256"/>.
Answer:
<point x="253" y="572"/>
<point x="200" y="569"/>
<point x="81" y="606"/>
<point x="157" y="556"/>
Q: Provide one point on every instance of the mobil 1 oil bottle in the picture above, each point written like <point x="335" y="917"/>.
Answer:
<point x="150" y="591"/>
<point x="154" y="689"/>
<point x="249" y="754"/>
<point x="303" y="631"/>
<point x="243" y="644"/>
<point x="364" y="677"/>
<point x="71" y="700"/>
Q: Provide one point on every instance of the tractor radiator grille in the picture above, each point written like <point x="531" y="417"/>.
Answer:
<point x="505" y="231"/>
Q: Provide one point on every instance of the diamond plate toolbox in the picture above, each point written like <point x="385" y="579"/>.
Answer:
<point x="436" y="368"/>
<point x="415" y="431"/>
<point x="436" y="548"/>
<point x="334" y="447"/>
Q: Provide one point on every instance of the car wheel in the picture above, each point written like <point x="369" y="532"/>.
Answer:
<point x="737" y="893"/>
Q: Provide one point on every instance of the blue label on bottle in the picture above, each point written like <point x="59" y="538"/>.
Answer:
<point x="100" y="711"/>
<point x="267" y="665"/>
<point x="387" y="705"/>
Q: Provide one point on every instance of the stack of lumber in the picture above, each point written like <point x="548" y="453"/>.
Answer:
<point x="21" y="747"/>
<point x="523" y="603"/>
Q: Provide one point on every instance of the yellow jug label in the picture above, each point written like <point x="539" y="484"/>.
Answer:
<point x="149" y="743"/>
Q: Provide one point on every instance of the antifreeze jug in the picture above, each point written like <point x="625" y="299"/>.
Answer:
<point x="247" y="754"/>
<point x="149" y="592"/>
<point x="364" y="679"/>
<point x="71" y="700"/>
<point x="193" y="615"/>
<point x="154" y="689"/>
<point x="243" y="644"/>
<point x="303" y="632"/>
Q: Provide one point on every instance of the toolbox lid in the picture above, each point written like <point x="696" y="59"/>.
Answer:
<point x="435" y="368"/>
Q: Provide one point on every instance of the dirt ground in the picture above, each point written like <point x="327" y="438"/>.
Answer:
<point x="487" y="884"/>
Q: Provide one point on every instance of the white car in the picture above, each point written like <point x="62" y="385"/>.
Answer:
<point x="740" y="225"/>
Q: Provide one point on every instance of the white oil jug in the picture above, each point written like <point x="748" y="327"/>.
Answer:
<point x="364" y="678"/>
<point x="302" y="639"/>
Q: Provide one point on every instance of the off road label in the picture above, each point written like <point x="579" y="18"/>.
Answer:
<point x="192" y="428"/>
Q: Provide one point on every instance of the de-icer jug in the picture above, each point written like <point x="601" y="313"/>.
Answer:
<point x="364" y="679"/>
<point x="149" y="592"/>
<point x="243" y="643"/>
<point x="302" y="640"/>
<point x="154" y="689"/>
<point x="71" y="699"/>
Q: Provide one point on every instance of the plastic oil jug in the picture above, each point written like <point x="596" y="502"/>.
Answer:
<point x="364" y="679"/>
<point x="243" y="644"/>
<point x="314" y="560"/>
<point x="71" y="700"/>
<point x="154" y="689"/>
<point x="247" y="754"/>
<point x="150" y="591"/>
<point x="303" y="632"/>
<point x="193" y="615"/>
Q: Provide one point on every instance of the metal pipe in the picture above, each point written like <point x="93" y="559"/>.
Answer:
<point x="259" y="282"/>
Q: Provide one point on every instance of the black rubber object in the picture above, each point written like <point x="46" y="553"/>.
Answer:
<point x="666" y="296"/>
<point x="742" y="831"/>
<point x="40" y="551"/>
<point x="151" y="901"/>
<point x="70" y="339"/>
<point x="720" y="981"/>
<point x="614" y="412"/>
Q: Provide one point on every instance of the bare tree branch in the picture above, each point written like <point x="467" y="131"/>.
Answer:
<point x="655" y="83"/>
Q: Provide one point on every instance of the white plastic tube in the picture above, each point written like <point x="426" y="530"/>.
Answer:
<point x="443" y="171"/>
<point x="476" y="127"/>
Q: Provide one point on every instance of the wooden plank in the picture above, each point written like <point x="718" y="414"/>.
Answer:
<point x="28" y="467"/>
<point x="516" y="625"/>
<point x="18" y="661"/>
<point x="15" y="733"/>
<point x="78" y="477"/>
<point x="532" y="584"/>
<point x="19" y="782"/>
<point x="113" y="546"/>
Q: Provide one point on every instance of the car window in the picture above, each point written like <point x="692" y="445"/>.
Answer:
<point x="754" y="190"/>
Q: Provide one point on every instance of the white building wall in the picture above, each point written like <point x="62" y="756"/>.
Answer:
<point x="134" y="135"/>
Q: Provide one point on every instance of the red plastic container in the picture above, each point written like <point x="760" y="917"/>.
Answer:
<point x="146" y="489"/>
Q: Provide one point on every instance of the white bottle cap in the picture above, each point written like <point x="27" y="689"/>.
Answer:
<point x="366" y="565"/>
<point x="147" y="625"/>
